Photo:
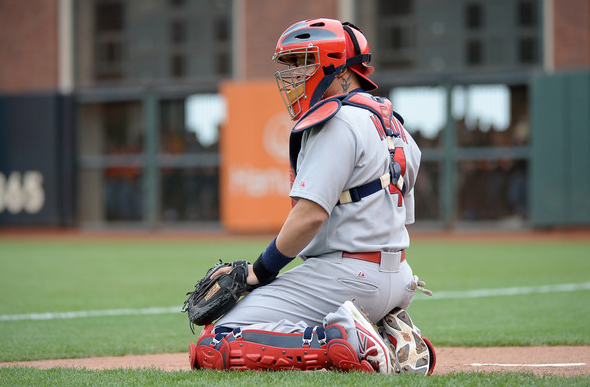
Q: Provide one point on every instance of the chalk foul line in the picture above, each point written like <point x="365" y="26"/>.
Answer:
<point x="507" y="291"/>
<point x="527" y="365"/>
<point x="89" y="313"/>
<point x="176" y="309"/>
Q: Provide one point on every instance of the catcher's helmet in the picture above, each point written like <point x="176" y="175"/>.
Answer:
<point x="316" y="51"/>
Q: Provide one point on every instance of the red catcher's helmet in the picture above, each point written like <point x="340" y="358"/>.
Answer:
<point x="316" y="51"/>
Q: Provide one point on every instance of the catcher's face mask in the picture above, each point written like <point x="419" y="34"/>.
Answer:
<point x="302" y="66"/>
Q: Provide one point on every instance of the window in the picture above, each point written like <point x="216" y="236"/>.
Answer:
<point x="109" y="17"/>
<point x="177" y="66"/>
<point x="474" y="52"/>
<point x="222" y="64"/>
<point x="397" y="37"/>
<point x="178" y="31"/>
<point x="401" y="37"/>
<point x="109" y="52"/>
<point x="397" y="45"/>
<point x="395" y="8"/>
<point x="221" y="29"/>
<point x="527" y="14"/>
<point x="527" y="50"/>
<point x="109" y="43"/>
<point x="473" y="16"/>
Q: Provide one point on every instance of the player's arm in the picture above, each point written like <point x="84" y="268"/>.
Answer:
<point x="302" y="224"/>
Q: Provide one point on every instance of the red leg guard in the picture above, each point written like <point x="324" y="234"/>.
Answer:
<point x="210" y="358"/>
<point x="246" y="355"/>
<point x="432" y="356"/>
<point x="192" y="348"/>
<point x="209" y="352"/>
<point x="263" y="350"/>
<point x="192" y="355"/>
<point x="344" y="357"/>
<point x="259" y="350"/>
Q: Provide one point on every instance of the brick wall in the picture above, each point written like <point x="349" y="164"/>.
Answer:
<point x="28" y="45"/>
<point x="571" y="33"/>
<point x="266" y="20"/>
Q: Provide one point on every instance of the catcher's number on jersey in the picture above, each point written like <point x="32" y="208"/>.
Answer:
<point x="400" y="158"/>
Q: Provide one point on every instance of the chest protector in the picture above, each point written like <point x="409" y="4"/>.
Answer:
<point x="387" y="122"/>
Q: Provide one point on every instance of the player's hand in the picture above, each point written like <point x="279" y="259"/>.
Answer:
<point x="250" y="280"/>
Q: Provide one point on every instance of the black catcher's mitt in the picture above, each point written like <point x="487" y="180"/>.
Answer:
<point x="212" y="298"/>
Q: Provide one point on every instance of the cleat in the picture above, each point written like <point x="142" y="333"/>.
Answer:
<point x="432" y="355"/>
<point x="372" y="348"/>
<point x="412" y="354"/>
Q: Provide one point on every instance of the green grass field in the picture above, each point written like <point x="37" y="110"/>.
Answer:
<point x="73" y="275"/>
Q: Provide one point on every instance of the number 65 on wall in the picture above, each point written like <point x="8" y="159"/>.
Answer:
<point x="22" y="192"/>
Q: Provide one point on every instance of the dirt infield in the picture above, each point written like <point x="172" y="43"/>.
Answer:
<point x="564" y="361"/>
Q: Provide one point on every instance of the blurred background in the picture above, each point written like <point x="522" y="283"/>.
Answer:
<point x="164" y="114"/>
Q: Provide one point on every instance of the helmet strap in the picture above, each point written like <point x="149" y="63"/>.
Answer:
<point x="330" y="74"/>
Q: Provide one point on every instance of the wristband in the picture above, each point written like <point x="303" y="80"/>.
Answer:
<point x="270" y="263"/>
<point x="264" y="276"/>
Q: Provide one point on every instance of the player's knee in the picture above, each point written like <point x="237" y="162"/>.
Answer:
<point x="208" y="357"/>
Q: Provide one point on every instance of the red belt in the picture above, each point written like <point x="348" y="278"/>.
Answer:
<point x="372" y="256"/>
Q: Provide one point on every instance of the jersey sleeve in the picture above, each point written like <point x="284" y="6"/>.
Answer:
<point x="410" y="206"/>
<point x="326" y="160"/>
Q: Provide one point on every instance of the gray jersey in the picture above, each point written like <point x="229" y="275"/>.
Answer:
<point x="347" y="151"/>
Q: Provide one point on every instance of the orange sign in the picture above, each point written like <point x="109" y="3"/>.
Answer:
<point x="254" y="150"/>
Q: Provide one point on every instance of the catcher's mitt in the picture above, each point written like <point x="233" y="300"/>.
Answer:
<point x="212" y="298"/>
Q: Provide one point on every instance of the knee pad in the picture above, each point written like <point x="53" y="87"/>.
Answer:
<point x="342" y="354"/>
<point x="192" y="348"/>
<point x="210" y="352"/>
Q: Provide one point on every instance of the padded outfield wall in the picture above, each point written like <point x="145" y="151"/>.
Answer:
<point x="37" y="160"/>
<point x="560" y="160"/>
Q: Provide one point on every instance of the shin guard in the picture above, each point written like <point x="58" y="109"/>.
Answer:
<point x="316" y="348"/>
<point x="262" y="350"/>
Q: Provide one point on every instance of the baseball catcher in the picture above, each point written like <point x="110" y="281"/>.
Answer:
<point x="353" y="168"/>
